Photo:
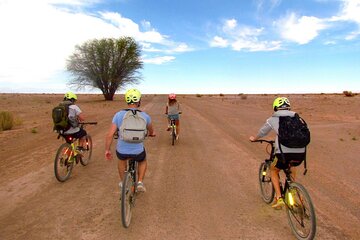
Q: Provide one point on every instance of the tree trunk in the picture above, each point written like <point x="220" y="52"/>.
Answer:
<point x="109" y="96"/>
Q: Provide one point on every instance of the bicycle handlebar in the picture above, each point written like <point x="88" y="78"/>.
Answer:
<point x="264" y="140"/>
<point x="89" y="123"/>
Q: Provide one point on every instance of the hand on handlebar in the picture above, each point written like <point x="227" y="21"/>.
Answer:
<point x="252" y="138"/>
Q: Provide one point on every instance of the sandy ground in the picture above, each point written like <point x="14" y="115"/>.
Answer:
<point x="204" y="187"/>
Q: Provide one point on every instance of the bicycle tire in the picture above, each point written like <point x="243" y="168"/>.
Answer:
<point x="127" y="195"/>
<point x="62" y="164"/>
<point x="86" y="154"/>
<point x="173" y="135"/>
<point x="301" y="214"/>
<point x="266" y="187"/>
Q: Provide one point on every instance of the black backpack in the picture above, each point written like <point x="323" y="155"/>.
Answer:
<point x="60" y="116"/>
<point x="293" y="132"/>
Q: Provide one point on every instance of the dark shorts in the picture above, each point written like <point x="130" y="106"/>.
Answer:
<point x="292" y="159"/>
<point x="137" y="157"/>
<point x="78" y="134"/>
<point x="175" y="117"/>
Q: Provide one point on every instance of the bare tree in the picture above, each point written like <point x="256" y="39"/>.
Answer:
<point x="107" y="64"/>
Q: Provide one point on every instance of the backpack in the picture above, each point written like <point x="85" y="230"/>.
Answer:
<point x="60" y="116"/>
<point x="134" y="127"/>
<point x="293" y="132"/>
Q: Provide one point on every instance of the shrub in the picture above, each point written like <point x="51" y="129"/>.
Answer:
<point x="6" y="121"/>
<point x="221" y="94"/>
<point x="34" y="130"/>
<point x="348" y="93"/>
<point x="198" y="95"/>
<point x="244" y="96"/>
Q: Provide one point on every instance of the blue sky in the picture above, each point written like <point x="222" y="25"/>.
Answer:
<point x="204" y="46"/>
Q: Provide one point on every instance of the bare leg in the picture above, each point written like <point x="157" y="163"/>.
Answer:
<point x="142" y="169"/>
<point x="293" y="173"/>
<point x="177" y="123"/>
<point x="275" y="179"/>
<point x="121" y="168"/>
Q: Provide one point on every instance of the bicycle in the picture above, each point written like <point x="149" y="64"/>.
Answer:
<point x="299" y="207"/>
<point x="71" y="153"/>
<point x="173" y="133"/>
<point x="128" y="192"/>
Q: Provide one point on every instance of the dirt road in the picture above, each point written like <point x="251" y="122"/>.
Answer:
<point x="204" y="187"/>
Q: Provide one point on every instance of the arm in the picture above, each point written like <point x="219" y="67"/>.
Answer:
<point x="81" y="117"/>
<point x="151" y="132"/>
<point x="264" y="130"/>
<point x="108" y="141"/>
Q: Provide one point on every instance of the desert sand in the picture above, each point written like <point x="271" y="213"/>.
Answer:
<point x="204" y="187"/>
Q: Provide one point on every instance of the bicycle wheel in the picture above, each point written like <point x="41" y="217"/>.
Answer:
<point x="86" y="154"/>
<point x="300" y="212"/>
<point x="62" y="165"/>
<point x="173" y="135"/>
<point x="127" y="199"/>
<point x="266" y="186"/>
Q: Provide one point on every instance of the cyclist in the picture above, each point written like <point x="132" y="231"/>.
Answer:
<point x="173" y="111"/>
<point x="293" y="156"/>
<point x="75" y="117"/>
<point x="126" y="150"/>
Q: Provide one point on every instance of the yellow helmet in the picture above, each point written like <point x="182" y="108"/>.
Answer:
<point x="132" y="96"/>
<point x="70" y="96"/>
<point x="281" y="102"/>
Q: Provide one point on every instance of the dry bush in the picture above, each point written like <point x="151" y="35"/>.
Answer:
<point x="221" y="94"/>
<point x="6" y="121"/>
<point x="348" y="93"/>
<point x="244" y="96"/>
<point x="198" y="95"/>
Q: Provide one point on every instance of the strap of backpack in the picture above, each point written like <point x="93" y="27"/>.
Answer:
<point x="134" y="111"/>
<point x="282" y="153"/>
<point x="305" y="167"/>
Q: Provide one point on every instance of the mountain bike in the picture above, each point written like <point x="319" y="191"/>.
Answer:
<point x="173" y="133"/>
<point x="299" y="207"/>
<point x="71" y="153"/>
<point x="128" y="192"/>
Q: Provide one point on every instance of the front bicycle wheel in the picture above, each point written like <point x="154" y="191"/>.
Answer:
<point x="266" y="187"/>
<point x="64" y="162"/>
<point x="87" y="152"/>
<point x="300" y="212"/>
<point x="127" y="199"/>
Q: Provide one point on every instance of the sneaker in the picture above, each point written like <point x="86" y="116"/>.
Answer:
<point x="278" y="204"/>
<point x="140" y="187"/>
<point x="168" y="128"/>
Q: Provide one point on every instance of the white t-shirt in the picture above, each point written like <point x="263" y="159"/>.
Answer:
<point x="74" y="112"/>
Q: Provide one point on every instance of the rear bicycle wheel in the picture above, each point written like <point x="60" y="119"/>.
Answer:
<point x="87" y="152"/>
<point x="300" y="212"/>
<point x="127" y="199"/>
<point x="173" y="135"/>
<point x="63" y="163"/>
<point x="266" y="187"/>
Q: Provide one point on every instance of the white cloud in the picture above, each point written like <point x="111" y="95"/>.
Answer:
<point x="350" y="12"/>
<point x="242" y="38"/>
<point x="300" y="29"/>
<point x="219" y="42"/>
<point x="158" y="60"/>
<point x="37" y="37"/>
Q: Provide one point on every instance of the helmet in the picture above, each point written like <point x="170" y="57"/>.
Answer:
<point x="132" y="96"/>
<point x="70" y="96"/>
<point x="172" y="96"/>
<point x="281" y="102"/>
